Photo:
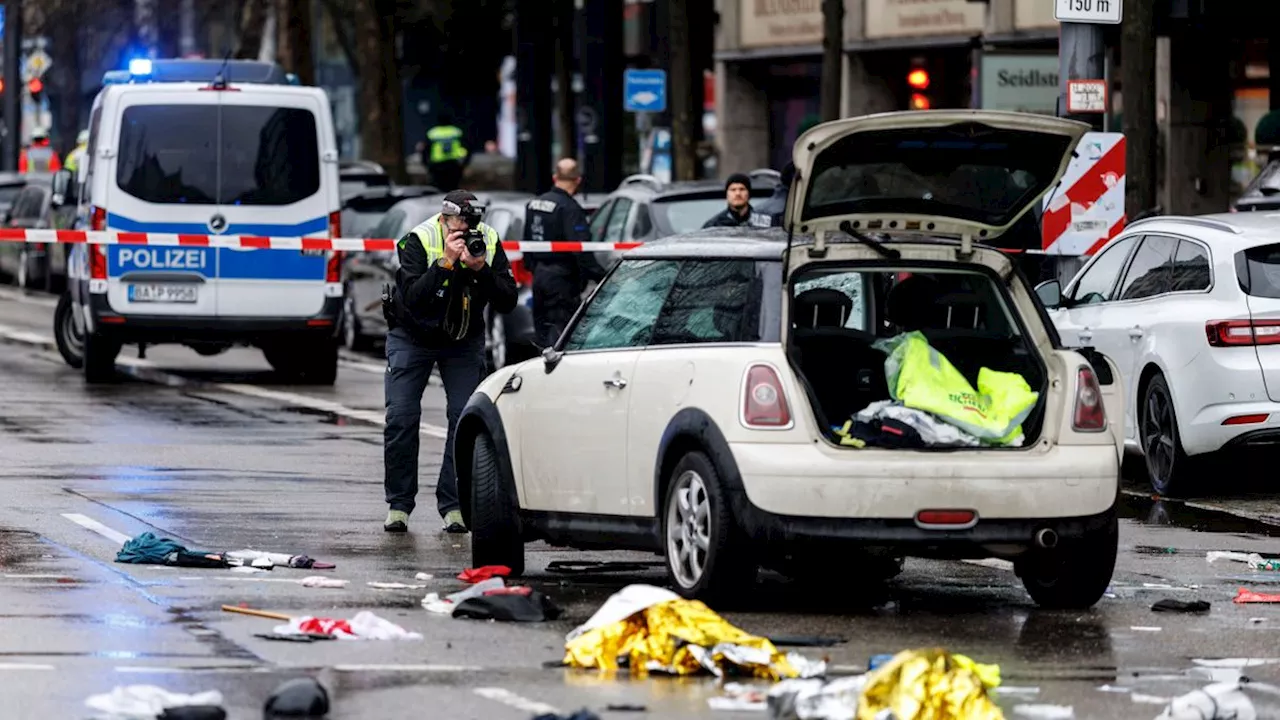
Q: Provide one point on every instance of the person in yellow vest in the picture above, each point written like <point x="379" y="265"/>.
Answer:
<point x="445" y="154"/>
<point x="451" y="267"/>
<point x="74" y="157"/>
<point x="39" y="157"/>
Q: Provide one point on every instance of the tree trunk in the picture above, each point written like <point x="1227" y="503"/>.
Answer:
<point x="382" y="127"/>
<point x="680" y="93"/>
<point x="341" y="17"/>
<point x="565" y="106"/>
<point x="832" y="57"/>
<point x="1138" y="83"/>
<point x="252" y="20"/>
<point x="293" y="30"/>
<point x="57" y="20"/>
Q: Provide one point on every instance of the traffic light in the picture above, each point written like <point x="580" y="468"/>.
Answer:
<point x="36" y="87"/>
<point x="918" y="80"/>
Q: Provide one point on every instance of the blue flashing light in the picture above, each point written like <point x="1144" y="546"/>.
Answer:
<point x="140" y="67"/>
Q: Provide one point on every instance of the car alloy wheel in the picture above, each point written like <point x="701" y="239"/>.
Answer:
<point x="689" y="528"/>
<point x="497" y="342"/>
<point x="1168" y="467"/>
<point x="350" y="329"/>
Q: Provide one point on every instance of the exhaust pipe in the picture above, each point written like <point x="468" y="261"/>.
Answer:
<point x="1046" y="538"/>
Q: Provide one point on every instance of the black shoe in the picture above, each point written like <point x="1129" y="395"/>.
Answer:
<point x="397" y="522"/>
<point x="453" y="523"/>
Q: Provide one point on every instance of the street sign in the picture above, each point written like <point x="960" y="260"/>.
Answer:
<point x="1099" y="12"/>
<point x="1086" y="96"/>
<point x="644" y="90"/>
<point x="36" y="65"/>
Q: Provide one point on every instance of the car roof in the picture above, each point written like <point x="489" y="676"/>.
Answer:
<point x="1232" y="230"/>
<point x="647" y="185"/>
<point x="735" y="243"/>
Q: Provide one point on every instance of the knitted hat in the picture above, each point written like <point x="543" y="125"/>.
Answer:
<point x="736" y="179"/>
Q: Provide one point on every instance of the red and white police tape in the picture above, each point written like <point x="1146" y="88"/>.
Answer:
<point x="252" y="242"/>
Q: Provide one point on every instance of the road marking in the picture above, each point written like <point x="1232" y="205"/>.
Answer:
<point x="407" y="668"/>
<point x="25" y="666"/>
<point x="184" y="670"/>
<point x="315" y="403"/>
<point x="510" y="699"/>
<point x="38" y="577"/>
<point x="21" y="297"/>
<point x="995" y="563"/>
<point x="363" y="366"/>
<point x="90" y="524"/>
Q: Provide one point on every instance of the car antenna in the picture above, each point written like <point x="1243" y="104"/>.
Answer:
<point x="220" y="79"/>
<point x="884" y="250"/>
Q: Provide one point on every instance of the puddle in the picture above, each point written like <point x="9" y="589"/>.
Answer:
<point x="325" y="416"/>
<point x="1172" y="513"/>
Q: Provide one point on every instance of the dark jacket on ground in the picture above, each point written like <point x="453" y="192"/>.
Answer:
<point x="556" y="216"/>
<point x="426" y="307"/>
<point x="728" y="218"/>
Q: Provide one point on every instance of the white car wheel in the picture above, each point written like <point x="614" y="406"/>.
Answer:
<point x="688" y="529"/>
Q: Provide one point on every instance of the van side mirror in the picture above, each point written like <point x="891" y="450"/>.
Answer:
<point x="61" y="184"/>
<point x="1050" y="293"/>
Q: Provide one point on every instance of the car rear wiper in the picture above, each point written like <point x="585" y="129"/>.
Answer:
<point x="884" y="250"/>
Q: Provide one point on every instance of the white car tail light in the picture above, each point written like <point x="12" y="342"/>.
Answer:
<point x="764" y="403"/>
<point x="1090" y="414"/>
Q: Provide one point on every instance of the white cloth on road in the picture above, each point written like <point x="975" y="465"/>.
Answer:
<point x="816" y="699"/>
<point x="1221" y="701"/>
<point x="445" y="606"/>
<point x="320" y="581"/>
<point x="621" y="605"/>
<point x="145" y="702"/>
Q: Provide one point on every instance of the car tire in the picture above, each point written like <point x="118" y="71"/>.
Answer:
<point x="353" y="336"/>
<point x="707" y="554"/>
<point x="494" y="521"/>
<point x="1074" y="575"/>
<point x="1169" y="469"/>
<point x="69" y="338"/>
<point x="100" y="355"/>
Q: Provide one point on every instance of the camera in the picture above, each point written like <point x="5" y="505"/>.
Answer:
<point x="475" y="243"/>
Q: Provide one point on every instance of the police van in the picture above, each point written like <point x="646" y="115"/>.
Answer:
<point x="206" y="147"/>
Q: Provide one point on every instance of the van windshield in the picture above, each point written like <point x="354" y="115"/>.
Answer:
<point x="170" y="154"/>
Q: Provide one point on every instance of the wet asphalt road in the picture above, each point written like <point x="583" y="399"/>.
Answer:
<point x="210" y="451"/>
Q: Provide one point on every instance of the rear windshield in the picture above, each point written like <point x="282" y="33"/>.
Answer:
<point x="170" y="154"/>
<point x="944" y="171"/>
<point x="676" y="216"/>
<point x="1258" y="270"/>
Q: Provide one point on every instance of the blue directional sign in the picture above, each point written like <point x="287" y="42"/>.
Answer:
<point x="644" y="90"/>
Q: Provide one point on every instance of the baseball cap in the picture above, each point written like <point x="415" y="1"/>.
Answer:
<point x="458" y="202"/>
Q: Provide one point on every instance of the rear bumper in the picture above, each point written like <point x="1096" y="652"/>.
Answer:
<point x="1205" y="432"/>
<point x="158" y="329"/>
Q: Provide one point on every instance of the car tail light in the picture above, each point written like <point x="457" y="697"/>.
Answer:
<point x="946" y="517"/>
<point x="1090" y="414"/>
<point x="97" y="262"/>
<point x="335" y="225"/>
<point x="1233" y="333"/>
<point x="764" y="404"/>
<point x="98" y="219"/>
<point x="333" y="268"/>
<point x="523" y="277"/>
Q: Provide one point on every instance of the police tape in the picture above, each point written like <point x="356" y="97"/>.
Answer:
<point x="255" y="242"/>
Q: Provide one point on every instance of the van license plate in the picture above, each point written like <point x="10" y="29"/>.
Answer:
<point x="163" y="293"/>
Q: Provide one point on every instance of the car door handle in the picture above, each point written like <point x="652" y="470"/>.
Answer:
<point x="1136" y="333"/>
<point x="1086" y="335"/>
<point x="616" y="382"/>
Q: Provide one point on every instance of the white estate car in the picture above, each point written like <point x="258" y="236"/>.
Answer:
<point x="1189" y="309"/>
<point x="690" y="407"/>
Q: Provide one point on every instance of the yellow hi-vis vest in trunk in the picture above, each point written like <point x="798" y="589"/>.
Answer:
<point x="922" y="378"/>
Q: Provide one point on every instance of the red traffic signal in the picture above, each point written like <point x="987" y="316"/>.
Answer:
<point x="920" y="101"/>
<point x="36" y="86"/>
<point x="918" y="79"/>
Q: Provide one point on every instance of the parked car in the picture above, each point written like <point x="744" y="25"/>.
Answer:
<point x="35" y="207"/>
<point x="11" y="183"/>
<point x="1263" y="193"/>
<point x="362" y="212"/>
<point x="1189" y="309"/>
<point x="356" y="176"/>
<point x="510" y="336"/>
<point x="715" y="368"/>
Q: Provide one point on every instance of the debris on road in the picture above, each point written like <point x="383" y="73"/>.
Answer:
<point x="446" y="605"/>
<point x="1245" y="595"/>
<point x="933" y="683"/>
<point x="1180" y="606"/>
<point x="738" y="697"/>
<point x="817" y="699"/>
<point x="806" y="641"/>
<point x="1221" y="701"/>
<point x="424" y="576"/>
<point x="1045" y="712"/>
<point x="248" y="570"/>
<point x="146" y="702"/>
<point x="625" y="707"/>
<point x="302" y="697"/>
<point x="147" y="549"/>
<point x="262" y="558"/>
<point x="583" y="567"/>
<point x="320" y="581"/>
<point x="364" y="626"/>
<point x="393" y="586"/>
<point x="651" y="629"/>
<point x="1253" y="560"/>
<point x="531" y="606"/>
<point x="472" y="576"/>
<point x="583" y="714"/>
<point x="245" y="610"/>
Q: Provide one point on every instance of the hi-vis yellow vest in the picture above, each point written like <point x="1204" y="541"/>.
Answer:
<point x="431" y="234"/>
<point x="922" y="378"/>
<point x="446" y="143"/>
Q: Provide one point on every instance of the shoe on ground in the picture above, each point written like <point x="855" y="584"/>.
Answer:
<point x="453" y="522"/>
<point x="397" y="522"/>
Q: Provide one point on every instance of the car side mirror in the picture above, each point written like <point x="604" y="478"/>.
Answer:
<point x="61" y="185"/>
<point x="551" y="358"/>
<point x="1050" y="293"/>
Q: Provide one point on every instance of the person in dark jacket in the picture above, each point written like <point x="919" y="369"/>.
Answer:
<point x="737" y="191"/>
<point x="558" y="278"/>
<point x="451" y="267"/>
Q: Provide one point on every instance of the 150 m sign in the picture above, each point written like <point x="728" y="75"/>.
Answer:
<point x="1106" y="12"/>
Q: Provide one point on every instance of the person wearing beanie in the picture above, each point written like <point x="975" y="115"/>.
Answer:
<point x="737" y="191"/>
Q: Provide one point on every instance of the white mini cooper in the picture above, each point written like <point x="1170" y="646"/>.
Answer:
<point x="699" y="404"/>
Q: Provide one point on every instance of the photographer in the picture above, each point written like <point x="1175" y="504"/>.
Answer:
<point x="451" y="266"/>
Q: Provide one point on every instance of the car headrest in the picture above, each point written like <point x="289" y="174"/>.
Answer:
<point x="912" y="304"/>
<point x="822" y="307"/>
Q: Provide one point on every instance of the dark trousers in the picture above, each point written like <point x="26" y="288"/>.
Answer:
<point x="409" y="366"/>
<point x="556" y="298"/>
<point x="446" y="176"/>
